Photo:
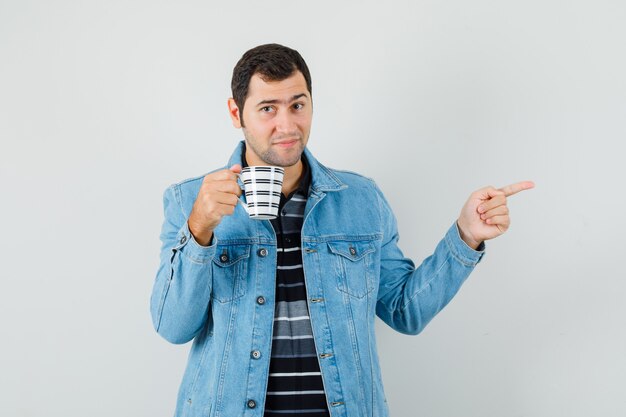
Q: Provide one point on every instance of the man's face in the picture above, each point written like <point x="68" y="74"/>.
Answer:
<point x="277" y="117"/>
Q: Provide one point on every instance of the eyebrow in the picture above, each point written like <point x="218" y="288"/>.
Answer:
<point x="274" y="101"/>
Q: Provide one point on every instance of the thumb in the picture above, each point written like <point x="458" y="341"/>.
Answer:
<point x="235" y="168"/>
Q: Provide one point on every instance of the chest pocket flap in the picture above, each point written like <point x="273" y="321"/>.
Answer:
<point x="352" y="250"/>
<point x="229" y="272"/>
<point x="353" y="266"/>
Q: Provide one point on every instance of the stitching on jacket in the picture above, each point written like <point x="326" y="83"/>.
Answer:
<point x="178" y="197"/>
<point x="462" y="259"/>
<point x="423" y="287"/>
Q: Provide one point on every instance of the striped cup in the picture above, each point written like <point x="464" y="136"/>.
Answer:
<point x="262" y="185"/>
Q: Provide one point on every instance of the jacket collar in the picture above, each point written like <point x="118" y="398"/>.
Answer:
<point x="322" y="178"/>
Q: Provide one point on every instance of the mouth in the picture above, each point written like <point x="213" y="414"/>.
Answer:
<point x="286" y="143"/>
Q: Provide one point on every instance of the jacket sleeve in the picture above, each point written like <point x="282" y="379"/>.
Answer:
<point x="182" y="288"/>
<point x="409" y="297"/>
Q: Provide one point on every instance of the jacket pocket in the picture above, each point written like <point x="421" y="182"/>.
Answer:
<point x="353" y="266"/>
<point x="229" y="272"/>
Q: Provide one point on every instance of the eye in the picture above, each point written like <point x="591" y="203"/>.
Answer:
<point x="298" y="106"/>
<point x="266" y="109"/>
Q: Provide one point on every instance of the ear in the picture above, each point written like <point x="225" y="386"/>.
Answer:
<point x="233" y="111"/>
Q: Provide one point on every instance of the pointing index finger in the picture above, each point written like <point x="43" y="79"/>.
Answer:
<point x="517" y="187"/>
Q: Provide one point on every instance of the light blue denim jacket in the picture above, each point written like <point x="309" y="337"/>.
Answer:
<point x="354" y="271"/>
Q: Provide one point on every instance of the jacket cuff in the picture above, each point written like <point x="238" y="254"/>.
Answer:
<point x="461" y="251"/>
<point x="188" y="246"/>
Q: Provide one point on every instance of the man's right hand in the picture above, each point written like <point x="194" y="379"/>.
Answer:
<point x="218" y="197"/>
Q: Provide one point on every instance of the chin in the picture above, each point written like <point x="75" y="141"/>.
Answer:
<point x="284" y="161"/>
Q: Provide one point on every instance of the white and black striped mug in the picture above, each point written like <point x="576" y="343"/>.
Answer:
<point x="262" y="187"/>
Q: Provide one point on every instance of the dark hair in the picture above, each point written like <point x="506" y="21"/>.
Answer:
<point x="273" y="62"/>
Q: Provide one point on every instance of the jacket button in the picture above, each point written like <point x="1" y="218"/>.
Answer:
<point x="183" y="239"/>
<point x="260" y="300"/>
<point x="352" y="251"/>
<point x="224" y="257"/>
<point x="256" y="354"/>
<point x="251" y="403"/>
<point x="262" y="252"/>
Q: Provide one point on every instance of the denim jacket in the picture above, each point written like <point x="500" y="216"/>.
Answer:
<point x="222" y="296"/>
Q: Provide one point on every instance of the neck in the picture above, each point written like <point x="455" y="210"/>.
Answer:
<point x="292" y="178"/>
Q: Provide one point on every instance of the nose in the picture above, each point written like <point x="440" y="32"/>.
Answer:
<point x="285" y="122"/>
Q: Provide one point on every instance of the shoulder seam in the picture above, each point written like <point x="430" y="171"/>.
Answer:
<point x="190" y="179"/>
<point x="345" y="171"/>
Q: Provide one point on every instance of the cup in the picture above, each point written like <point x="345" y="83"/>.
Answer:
<point x="262" y="187"/>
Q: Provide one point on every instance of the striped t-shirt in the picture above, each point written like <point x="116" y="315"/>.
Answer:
<point x="295" y="386"/>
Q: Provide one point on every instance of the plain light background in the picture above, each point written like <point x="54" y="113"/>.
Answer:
<point x="105" y="104"/>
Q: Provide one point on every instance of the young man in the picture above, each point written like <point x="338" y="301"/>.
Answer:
<point x="282" y="312"/>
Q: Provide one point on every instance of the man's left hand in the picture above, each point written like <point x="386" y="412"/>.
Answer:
<point x="485" y="215"/>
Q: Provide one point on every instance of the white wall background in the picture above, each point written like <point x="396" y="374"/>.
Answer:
<point x="105" y="103"/>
